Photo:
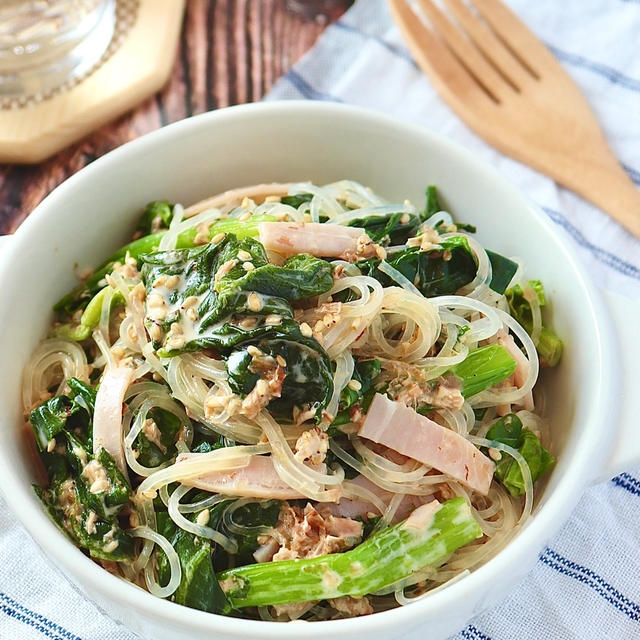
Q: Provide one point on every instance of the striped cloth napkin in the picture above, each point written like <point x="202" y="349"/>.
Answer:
<point x="585" y="584"/>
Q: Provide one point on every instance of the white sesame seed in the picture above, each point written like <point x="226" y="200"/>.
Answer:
<point x="203" y="517"/>
<point x="155" y="332"/>
<point x="244" y="255"/>
<point x="172" y="282"/>
<point x="305" y="330"/>
<point x="252" y="350"/>
<point x="254" y="302"/>
<point x="176" y="342"/>
<point x="248" y="266"/>
<point x="218" y="238"/>
<point x="281" y="361"/>
<point x="354" y="385"/>
<point x="245" y="216"/>
<point x="273" y="319"/>
<point x="51" y="445"/>
<point x="191" y="301"/>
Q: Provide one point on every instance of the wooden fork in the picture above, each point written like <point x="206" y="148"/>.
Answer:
<point x="507" y="86"/>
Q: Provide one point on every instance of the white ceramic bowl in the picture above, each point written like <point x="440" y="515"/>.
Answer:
<point x="94" y="212"/>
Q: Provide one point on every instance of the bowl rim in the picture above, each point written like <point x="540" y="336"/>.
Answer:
<point x="80" y="569"/>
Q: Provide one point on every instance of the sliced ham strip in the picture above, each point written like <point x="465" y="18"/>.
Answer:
<point x="257" y="480"/>
<point x="399" y="427"/>
<point x="320" y="240"/>
<point x="360" y="508"/>
<point x="521" y="372"/>
<point x="107" y="420"/>
<point x="257" y="192"/>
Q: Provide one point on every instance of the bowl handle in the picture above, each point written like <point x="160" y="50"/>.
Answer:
<point x="625" y="455"/>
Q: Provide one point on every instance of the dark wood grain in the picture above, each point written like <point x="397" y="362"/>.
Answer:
<point x="230" y="52"/>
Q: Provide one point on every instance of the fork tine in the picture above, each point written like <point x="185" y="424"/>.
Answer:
<point x="518" y="37"/>
<point x="469" y="55"/>
<point x="517" y="74"/>
<point x="449" y="77"/>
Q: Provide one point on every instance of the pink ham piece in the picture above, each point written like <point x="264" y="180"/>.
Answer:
<point x="107" y="420"/>
<point x="521" y="373"/>
<point x="400" y="428"/>
<point x="258" y="479"/>
<point x="257" y="193"/>
<point x="347" y="508"/>
<point x="320" y="240"/>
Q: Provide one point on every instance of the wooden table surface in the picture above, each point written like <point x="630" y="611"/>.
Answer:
<point x="230" y="52"/>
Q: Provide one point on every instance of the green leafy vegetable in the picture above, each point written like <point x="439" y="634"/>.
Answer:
<point x="502" y="270"/>
<point x="549" y="344"/>
<point x="508" y="430"/>
<point x="429" y="271"/>
<point x="308" y="380"/>
<point x="433" y="203"/>
<point x="80" y="296"/>
<point x="385" y="558"/>
<point x="150" y="454"/>
<point x="157" y="215"/>
<point x="297" y="200"/>
<point x="86" y="492"/>
<point x="198" y="587"/>
<point x="483" y="368"/>
<point x="253" y="518"/>
<point x="390" y="228"/>
<point x="214" y="275"/>
<point x="365" y="372"/>
<point x="73" y="411"/>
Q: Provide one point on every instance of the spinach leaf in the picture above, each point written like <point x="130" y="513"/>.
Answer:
<point x="52" y="416"/>
<point x="428" y="270"/>
<point x="365" y="372"/>
<point x="149" y="453"/>
<point x="301" y="276"/>
<point x="214" y="275"/>
<point x="391" y="228"/>
<point x="86" y="492"/>
<point x="297" y="200"/>
<point x="157" y="215"/>
<point x="549" y="345"/>
<point x="432" y="204"/>
<point x="308" y="379"/>
<point x="508" y="430"/>
<point x="79" y="297"/>
<point x="199" y="588"/>
<point x="502" y="270"/>
<point x="253" y="518"/>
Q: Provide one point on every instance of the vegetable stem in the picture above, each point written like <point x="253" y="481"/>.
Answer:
<point x="385" y="558"/>
<point x="483" y="368"/>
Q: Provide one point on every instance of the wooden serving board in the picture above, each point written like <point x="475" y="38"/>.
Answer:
<point x="139" y="67"/>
